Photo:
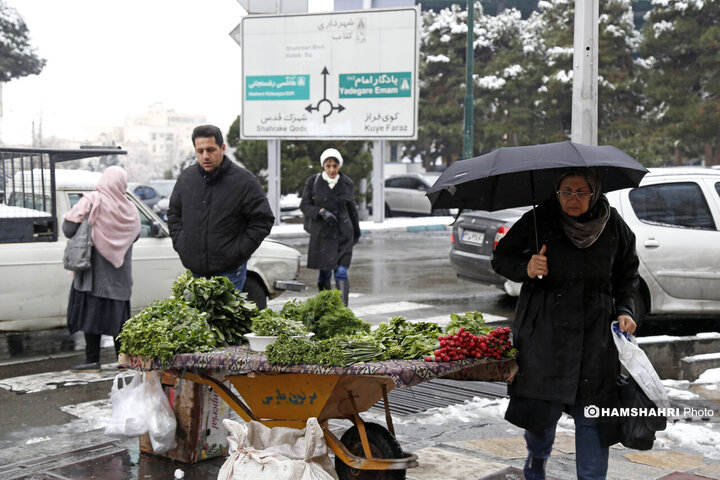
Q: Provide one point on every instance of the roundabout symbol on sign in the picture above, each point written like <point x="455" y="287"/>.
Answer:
<point x="324" y="105"/>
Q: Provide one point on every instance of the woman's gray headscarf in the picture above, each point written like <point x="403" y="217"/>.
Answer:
<point x="585" y="229"/>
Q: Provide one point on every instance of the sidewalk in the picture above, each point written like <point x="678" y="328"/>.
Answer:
<point x="369" y="227"/>
<point x="466" y="441"/>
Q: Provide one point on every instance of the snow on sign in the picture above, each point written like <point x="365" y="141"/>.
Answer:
<point x="349" y="74"/>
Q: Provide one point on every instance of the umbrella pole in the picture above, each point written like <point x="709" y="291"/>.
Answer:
<point x="532" y="189"/>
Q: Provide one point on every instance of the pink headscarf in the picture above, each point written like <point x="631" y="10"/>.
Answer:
<point x="115" y="220"/>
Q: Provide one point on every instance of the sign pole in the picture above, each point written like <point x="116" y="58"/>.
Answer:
<point x="469" y="67"/>
<point x="273" y="153"/>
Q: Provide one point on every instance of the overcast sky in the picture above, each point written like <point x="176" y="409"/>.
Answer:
<point x="111" y="59"/>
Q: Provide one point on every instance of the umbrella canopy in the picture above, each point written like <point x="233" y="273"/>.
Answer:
<point x="521" y="176"/>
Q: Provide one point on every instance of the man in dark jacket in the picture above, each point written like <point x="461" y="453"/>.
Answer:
<point x="218" y="213"/>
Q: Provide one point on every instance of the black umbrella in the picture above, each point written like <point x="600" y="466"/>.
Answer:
<point x="520" y="176"/>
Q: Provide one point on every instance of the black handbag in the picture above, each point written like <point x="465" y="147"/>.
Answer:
<point x="639" y="418"/>
<point x="307" y="221"/>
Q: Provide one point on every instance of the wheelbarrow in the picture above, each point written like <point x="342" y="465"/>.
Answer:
<point x="288" y="396"/>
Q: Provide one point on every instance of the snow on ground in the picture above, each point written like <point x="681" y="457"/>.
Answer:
<point x="711" y="376"/>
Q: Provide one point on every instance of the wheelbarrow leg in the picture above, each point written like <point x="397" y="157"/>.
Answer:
<point x="360" y="426"/>
<point x="386" y="403"/>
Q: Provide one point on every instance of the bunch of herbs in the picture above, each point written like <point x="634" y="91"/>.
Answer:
<point x="270" y="323"/>
<point x="164" y="329"/>
<point x="229" y="312"/>
<point x="325" y="315"/>
<point x="402" y="339"/>
<point x="473" y="322"/>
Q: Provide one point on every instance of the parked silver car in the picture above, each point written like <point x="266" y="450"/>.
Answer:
<point x="675" y="215"/>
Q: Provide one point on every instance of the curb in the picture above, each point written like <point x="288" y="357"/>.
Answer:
<point x="285" y="231"/>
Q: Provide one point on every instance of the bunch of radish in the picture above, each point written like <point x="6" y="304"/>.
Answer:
<point x="464" y="344"/>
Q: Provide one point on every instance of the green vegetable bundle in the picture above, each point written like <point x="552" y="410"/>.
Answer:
<point x="325" y="315"/>
<point x="270" y="323"/>
<point x="406" y="340"/>
<point x="229" y="312"/>
<point x="473" y="322"/>
<point x="164" y="329"/>
<point x="336" y="351"/>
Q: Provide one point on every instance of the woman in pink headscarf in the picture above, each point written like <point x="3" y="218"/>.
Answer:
<point x="100" y="297"/>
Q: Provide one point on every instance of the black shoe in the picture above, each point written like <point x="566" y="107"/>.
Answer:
<point x="534" y="468"/>
<point x="324" y="286"/>
<point x="86" y="368"/>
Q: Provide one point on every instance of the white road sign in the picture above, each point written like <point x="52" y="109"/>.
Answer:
<point x="331" y="75"/>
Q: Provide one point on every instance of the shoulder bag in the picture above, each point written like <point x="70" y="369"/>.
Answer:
<point x="78" y="249"/>
<point x="307" y="221"/>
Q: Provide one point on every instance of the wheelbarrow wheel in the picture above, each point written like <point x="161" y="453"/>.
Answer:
<point x="382" y="445"/>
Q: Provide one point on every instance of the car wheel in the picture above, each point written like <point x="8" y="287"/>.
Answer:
<point x="255" y="292"/>
<point x="388" y="212"/>
<point x="382" y="445"/>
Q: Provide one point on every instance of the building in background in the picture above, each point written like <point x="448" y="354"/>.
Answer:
<point x="157" y="142"/>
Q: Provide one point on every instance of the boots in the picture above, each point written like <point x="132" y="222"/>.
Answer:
<point x="324" y="286"/>
<point x="534" y="468"/>
<point x="344" y="287"/>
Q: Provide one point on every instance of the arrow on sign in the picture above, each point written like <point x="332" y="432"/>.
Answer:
<point x="329" y="107"/>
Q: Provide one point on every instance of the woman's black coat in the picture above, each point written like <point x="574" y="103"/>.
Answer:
<point x="562" y="322"/>
<point x="330" y="245"/>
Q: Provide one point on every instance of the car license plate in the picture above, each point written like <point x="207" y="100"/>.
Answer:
<point x="471" y="236"/>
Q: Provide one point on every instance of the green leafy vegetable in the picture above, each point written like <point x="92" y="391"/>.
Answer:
<point x="291" y="351"/>
<point x="164" y="329"/>
<point x="473" y="322"/>
<point x="270" y="323"/>
<point x="325" y="315"/>
<point x="229" y="312"/>
<point x="406" y="340"/>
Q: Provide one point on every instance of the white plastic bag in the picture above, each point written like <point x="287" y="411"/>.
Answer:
<point x="161" y="423"/>
<point x="128" y="406"/>
<point x="638" y="365"/>
<point x="258" y="452"/>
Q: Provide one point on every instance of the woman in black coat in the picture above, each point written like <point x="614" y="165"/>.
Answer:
<point x="328" y="200"/>
<point x="583" y="278"/>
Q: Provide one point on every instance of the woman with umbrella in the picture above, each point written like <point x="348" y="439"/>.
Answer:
<point x="328" y="200"/>
<point x="582" y="278"/>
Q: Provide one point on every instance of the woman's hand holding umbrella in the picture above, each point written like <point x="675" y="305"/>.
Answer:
<point x="537" y="266"/>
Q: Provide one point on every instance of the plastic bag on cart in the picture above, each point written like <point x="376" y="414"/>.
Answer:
<point x="128" y="417"/>
<point x="161" y="421"/>
<point x="639" y="367"/>
<point x="258" y="452"/>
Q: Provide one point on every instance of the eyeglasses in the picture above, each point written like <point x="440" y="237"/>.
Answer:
<point x="567" y="195"/>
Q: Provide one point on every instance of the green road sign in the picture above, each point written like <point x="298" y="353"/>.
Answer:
<point x="375" y="85"/>
<point x="277" y="87"/>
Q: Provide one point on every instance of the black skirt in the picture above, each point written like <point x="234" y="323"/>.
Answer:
<point x="90" y="314"/>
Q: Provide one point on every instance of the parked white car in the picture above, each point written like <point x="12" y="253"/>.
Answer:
<point x="35" y="286"/>
<point x="405" y="194"/>
<point x="675" y="215"/>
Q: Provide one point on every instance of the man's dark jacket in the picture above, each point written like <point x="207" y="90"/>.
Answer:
<point x="217" y="220"/>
